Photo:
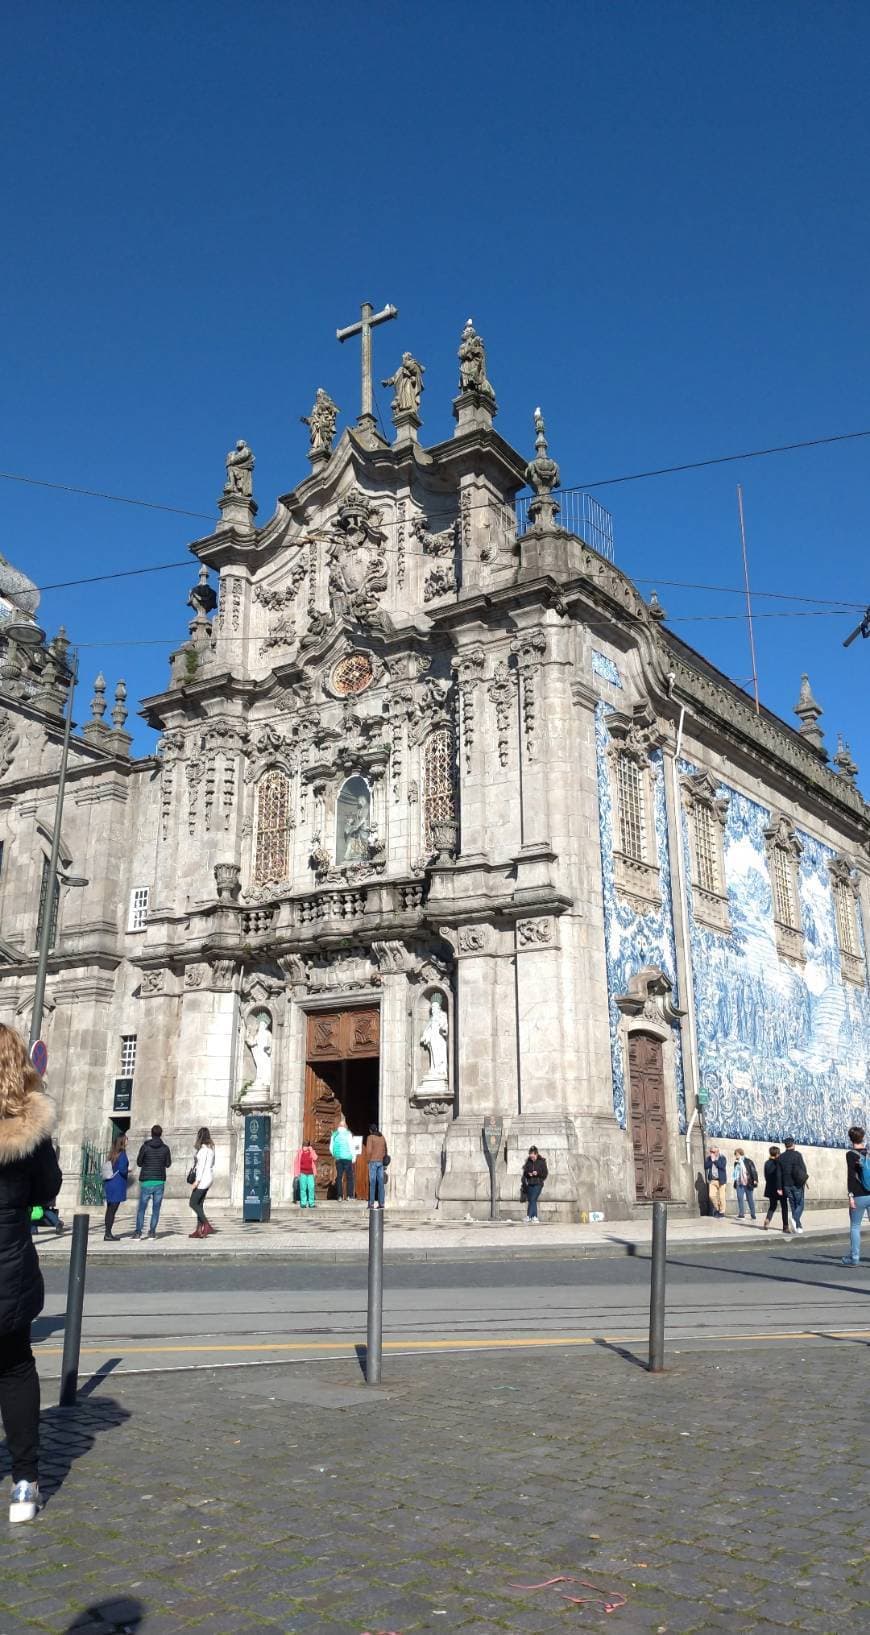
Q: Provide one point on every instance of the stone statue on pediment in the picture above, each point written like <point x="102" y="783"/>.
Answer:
<point x="321" y="423"/>
<point x="472" y="363"/>
<point x="407" y="384"/>
<point x="240" y="471"/>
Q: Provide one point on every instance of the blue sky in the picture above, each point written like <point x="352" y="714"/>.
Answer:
<point x="656" y="214"/>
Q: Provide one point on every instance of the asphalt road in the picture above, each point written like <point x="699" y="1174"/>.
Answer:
<point x="159" y="1316"/>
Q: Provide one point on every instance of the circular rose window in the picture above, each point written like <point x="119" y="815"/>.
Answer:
<point x="352" y="674"/>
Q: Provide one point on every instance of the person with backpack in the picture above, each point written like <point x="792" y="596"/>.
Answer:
<point x="745" y="1179"/>
<point x="773" y="1190"/>
<point x="794" y="1179"/>
<point x="116" y="1172"/>
<point x="858" y="1186"/>
<point x="341" y="1149"/>
<point x="306" y="1169"/>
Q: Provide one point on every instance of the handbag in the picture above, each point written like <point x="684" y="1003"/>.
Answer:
<point x="387" y="1160"/>
<point x="191" y="1174"/>
<point x="108" y="1170"/>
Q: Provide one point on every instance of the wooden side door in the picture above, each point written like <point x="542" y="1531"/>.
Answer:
<point x="649" y="1130"/>
<point x="335" y="1040"/>
<point x="322" y="1113"/>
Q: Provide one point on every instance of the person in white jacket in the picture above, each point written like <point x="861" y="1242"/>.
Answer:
<point x="201" y="1173"/>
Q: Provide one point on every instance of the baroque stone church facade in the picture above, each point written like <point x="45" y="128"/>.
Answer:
<point x="443" y="823"/>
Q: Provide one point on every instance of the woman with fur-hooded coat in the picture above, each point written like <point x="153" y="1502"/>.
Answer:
<point x="29" y="1174"/>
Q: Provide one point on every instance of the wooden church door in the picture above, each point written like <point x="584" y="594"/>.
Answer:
<point x="649" y="1128"/>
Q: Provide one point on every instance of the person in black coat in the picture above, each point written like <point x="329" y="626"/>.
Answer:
<point x="29" y="1175"/>
<point x="534" y="1175"/>
<point x="774" y="1190"/>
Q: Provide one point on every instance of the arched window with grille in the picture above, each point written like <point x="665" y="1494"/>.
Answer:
<point x="439" y="785"/>
<point x="272" y="828"/>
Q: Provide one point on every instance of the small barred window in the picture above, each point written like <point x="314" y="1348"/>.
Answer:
<point x="705" y="848"/>
<point x="272" y="841"/>
<point x="632" y="818"/>
<point x="783" y="888"/>
<point x="844" y="907"/>
<point x="439" y="783"/>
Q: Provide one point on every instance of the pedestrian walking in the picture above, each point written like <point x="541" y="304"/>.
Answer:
<point x="116" y="1171"/>
<point x="341" y="1148"/>
<point x="376" y="1156"/>
<point x="773" y="1190"/>
<point x="535" y="1173"/>
<point x="858" y="1186"/>
<point x="745" y="1179"/>
<point x="794" y="1179"/>
<point x="201" y="1175"/>
<point x="306" y="1161"/>
<point x="29" y="1175"/>
<point x="716" y="1171"/>
<point x="152" y="1163"/>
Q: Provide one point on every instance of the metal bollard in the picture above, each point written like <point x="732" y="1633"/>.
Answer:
<point x="375" y="1322"/>
<point x="657" y="1289"/>
<point x="75" y="1299"/>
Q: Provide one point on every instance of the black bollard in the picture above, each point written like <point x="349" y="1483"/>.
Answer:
<point x="657" y="1289"/>
<point x="75" y="1299"/>
<point x="375" y="1323"/>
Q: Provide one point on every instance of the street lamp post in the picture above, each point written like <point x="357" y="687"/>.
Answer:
<point x="48" y="906"/>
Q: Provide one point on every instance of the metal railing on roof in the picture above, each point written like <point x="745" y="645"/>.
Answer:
<point x="579" y="514"/>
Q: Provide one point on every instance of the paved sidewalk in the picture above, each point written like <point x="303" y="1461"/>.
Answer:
<point x="718" y="1497"/>
<point x="325" y="1234"/>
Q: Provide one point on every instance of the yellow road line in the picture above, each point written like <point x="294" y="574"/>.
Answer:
<point x="467" y="1344"/>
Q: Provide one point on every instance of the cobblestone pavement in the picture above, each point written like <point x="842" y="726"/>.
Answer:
<point x="719" y="1496"/>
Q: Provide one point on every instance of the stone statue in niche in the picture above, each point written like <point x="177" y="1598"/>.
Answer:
<point x="353" y="822"/>
<point x="434" y="1042"/>
<point x="259" y="1042"/>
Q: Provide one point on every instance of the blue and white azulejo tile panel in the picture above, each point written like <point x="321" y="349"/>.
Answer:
<point x="633" y="940"/>
<point x="783" y="1049"/>
<point x="603" y="666"/>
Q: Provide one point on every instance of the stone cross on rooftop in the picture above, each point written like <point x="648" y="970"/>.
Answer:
<point x="368" y="319"/>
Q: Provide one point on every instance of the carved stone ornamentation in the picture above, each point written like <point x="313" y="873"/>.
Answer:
<point x="194" y="976"/>
<point x="9" y="741"/>
<point x="222" y="971"/>
<point x="153" y="981"/>
<point x="535" y="933"/>
<point x="468" y="671"/>
<point x="357" y="571"/>
<point x="440" y="544"/>
<point x="502" y="692"/>
<point x="391" y="957"/>
<point x="808" y="710"/>
<point x="648" y="995"/>
<point x="635" y="734"/>
<point x="227" y="878"/>
<point x="542" y="474"/>
<point x="473" y="939"/>
<point x="529" y="650"/>
<point x="440" y="581"/>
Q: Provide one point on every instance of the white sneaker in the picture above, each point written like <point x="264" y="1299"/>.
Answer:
<point x="25" y="1501"/>
<point x="535" y="1221"/>
<point x="799" y="1229"/>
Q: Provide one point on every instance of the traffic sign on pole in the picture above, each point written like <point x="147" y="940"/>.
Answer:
<point x="39" y="1057"/>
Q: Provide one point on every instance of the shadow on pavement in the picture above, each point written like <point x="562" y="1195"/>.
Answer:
<point x="119" y="1616"/>
<point x="623" y="1352"/>
<point x="840" y="1287"/>
<point x="67" y="1434"/>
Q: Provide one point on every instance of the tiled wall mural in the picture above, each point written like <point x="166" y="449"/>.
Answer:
<point x="634" y="940"/>
<point x="603" y="665"/>
<point x="782" y="1050"/>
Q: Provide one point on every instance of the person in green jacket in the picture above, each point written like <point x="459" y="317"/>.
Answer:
<point x="341" y="1149"/>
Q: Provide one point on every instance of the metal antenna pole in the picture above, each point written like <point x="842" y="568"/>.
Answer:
<point x="748" y="597"/>
<point x="51" y="883"/>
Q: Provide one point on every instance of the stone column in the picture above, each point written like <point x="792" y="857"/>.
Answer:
<point x="486" y="1062"/>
